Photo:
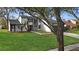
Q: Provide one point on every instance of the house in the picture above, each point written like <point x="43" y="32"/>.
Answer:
<point x="19" y="25"/>
<point x="44" y="27"/>
<point x="77" y="23"/>
<point x="71" y="23"/>
<point x="25" y="23"/>
<point x="15" y="26"/>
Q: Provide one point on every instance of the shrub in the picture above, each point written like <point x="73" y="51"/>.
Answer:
<point x="66" y="29"/>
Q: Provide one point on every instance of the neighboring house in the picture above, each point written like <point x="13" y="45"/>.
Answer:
<point x="77" y="23"/>
<point x="71" y="23"/>
<point x="25" y="23"/>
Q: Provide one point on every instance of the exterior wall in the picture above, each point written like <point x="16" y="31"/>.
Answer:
<point x="74" y="22"/>
<point x="24" y="29"/>
<point x="35" y="25"/>
<point x="18" y="28"/>
<point x="70" y="24"/>
<point x="8" y="26"/>
<point x="44" y="27"/>
<point x="19" y="19"/>
<point x="22" y="20"/>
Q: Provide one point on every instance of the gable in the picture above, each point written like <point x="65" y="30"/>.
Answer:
<point x="14" y="22"/>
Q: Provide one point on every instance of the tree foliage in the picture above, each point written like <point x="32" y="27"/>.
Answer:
<point x="3" y="23"/>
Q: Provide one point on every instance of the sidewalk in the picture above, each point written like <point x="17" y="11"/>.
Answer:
<point x="71" y="35"/>
<point x="73" y="47"/>
<point x="65" y="33"/>
<point x="68" y="48"/>
<point x="41" y="33"/>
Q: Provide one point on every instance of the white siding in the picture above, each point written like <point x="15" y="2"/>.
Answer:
<point x="17" y="29"/>
<point x="44" y="27"/>
<point x="22" y="20"/>
<point x="8" y="26"/>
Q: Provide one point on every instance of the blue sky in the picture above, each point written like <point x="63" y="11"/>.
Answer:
<point x="13" y="15"/>
<point x="65" y="16"/>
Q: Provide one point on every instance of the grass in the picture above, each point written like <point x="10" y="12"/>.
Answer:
<point x="75" y="30"/>
<point x="30" y="41"/>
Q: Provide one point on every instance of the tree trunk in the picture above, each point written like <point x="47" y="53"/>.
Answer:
<point x="60" y="39"/>
<point x="59" y="33"/>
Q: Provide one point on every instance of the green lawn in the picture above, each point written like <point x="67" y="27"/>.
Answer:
<point x="74" y="31"/>
<point x="29" y="41"/>
<point x="77" y="32"/>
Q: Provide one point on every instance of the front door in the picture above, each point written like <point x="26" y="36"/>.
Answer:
<point x="30" y="27"/>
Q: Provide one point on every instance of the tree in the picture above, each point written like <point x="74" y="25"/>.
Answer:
<point x="45" y="14"/>
<point x="60" y="27"/>
<point x="42" y="13"/>
<point x="5" y="12"/>
<point x="3" y="23"/>
<point x="72" y="10"/>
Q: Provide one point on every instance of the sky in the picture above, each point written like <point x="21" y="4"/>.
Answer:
<point x="65" y="16"/>
<point x="13" y="15"/>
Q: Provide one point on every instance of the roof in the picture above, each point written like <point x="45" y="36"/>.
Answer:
<point x="28" y="17"/>
<point x="24" y="16"/>
<point x="14" y="22"/>
<point x="69" y="23"/>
